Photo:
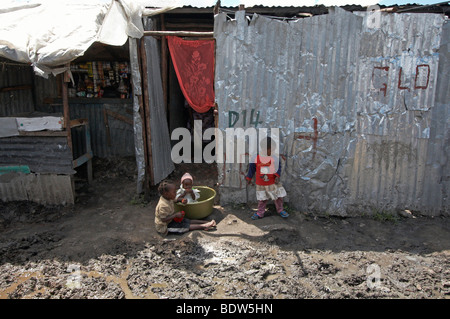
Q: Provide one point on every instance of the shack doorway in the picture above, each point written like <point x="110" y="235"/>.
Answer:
<point x="182" y="115"/>
<point x="177" y="112"/>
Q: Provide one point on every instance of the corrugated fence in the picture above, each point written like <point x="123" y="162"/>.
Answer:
<point x="16" y="88"/>
<point x="360" y="101"/>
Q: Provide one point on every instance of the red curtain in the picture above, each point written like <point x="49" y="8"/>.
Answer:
<point x="194" y="66"/>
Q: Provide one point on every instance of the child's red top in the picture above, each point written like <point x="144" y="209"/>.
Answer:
<point x="263" y="167"/>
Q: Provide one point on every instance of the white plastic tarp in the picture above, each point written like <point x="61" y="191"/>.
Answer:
<point x="50" y="33"/>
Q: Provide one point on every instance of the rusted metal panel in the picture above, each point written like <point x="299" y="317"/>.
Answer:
<point x="16" y="90"/>
<point x="41" y="154"/>
<point x="161" y="161"/>
<point x="111" y="128"/>
<point x="46" y="189"/>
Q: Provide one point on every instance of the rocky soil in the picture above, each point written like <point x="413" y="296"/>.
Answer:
<point x="105" y="246"/>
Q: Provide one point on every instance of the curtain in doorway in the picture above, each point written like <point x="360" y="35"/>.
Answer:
<point x="193" y="61"/>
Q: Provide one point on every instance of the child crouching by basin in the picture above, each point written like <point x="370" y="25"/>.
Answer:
<point x="186" y="191"/>
<point x="165" y="213"/>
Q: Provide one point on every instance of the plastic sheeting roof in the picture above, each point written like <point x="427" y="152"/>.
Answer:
<point x="49" y="33"/>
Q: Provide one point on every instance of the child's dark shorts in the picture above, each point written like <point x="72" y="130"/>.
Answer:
<point x="181" y="227"/>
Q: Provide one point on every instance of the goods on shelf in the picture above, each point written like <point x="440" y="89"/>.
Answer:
<point x="100" y="79"/>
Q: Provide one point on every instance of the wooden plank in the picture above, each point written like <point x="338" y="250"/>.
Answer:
<point x="78" y="122"/>
<point x="146" y="119"/>
<point x="43" y="133"/>
<point x="164" y="66"/>
<point x="106" y="122"/>
<point x="187" y="26"/>
<point x="65" y="97"/>
<point x="32" y="124"/>
<point x="119" y="117"/>
<point x="85" y="158"/>
<point x="16" y="88"/>
<point x="179" y="33"/>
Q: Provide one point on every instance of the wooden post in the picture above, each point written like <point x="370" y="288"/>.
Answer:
<point x="146" y="119"/>
<point x="164" y="65"/>
<point x="65" y="96"/>
<point x="216" y="9"/>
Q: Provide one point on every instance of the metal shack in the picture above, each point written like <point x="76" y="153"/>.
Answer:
<point x="360" y="99"/>
<point x="65" y="93"/>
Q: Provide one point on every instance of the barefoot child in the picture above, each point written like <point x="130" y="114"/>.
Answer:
<point x="267" y="169"/>
<point x="186" y="191"/>
<point x="165" y="213"/>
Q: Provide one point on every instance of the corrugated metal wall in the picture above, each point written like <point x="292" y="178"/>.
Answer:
<point x="13" y="74"/>
<point x="41" y="154"/>
<point x="120" y="139"/>
<point x="49" y="160"/>
<point x="161" y="162"/>
<point x="354" y="103"/>
<point x="44" y="189"/>
<point x="116" y="140"/>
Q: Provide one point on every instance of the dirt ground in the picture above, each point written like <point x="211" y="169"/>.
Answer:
<point x="105" y="246"/>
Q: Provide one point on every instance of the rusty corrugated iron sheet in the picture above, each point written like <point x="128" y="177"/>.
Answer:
<point x="110" y="125"/>
<point x="46" y="189"/>
<point x="40" y="153"/>
<point x="355" y="104"/>
<point x="161" y="161"/>
<point x="16" y="88"/>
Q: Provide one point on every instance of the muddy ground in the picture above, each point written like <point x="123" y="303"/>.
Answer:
<point x="105" y="246"/>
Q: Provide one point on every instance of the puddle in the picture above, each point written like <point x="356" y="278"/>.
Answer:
<point x="4" y="294"/>
<point x="121" y="281"/>
<point x="272" y="277"/>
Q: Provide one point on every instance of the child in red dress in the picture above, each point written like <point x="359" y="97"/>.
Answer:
<point x="266" y="169"/>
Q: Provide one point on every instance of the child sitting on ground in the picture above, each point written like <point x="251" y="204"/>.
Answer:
<point x="165" y="214"/>
<point x="267" y="179"/>
<point x="186" y="191"/>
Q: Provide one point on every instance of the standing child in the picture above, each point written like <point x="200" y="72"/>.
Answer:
<point x="267" y="170"/>
<point x="186" y="191"/>
<point x="165" y="214"/>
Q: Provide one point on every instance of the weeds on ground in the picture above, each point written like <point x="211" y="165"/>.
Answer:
<point x="239" y="206"/>
<point x="384" y="216"/>
<point x="138" y="200"/>
<point x="288" y="209"/>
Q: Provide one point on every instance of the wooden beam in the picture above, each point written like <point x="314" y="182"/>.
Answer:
<point x="119" y="117"/>
<point x="16" y="88"/>
<point x="179" y="33"/>
<point x="146" y="120"/>
<point x="65" y="97"/>
<point x="164" y="67"/>
<point x="78" y="122"/>
<point x="186" y="26"/>
<point x="216" y="9"/>
<point x="43" y="133"/>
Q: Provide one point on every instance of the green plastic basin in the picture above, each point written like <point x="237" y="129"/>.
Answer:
<point x="202" y="208"/>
